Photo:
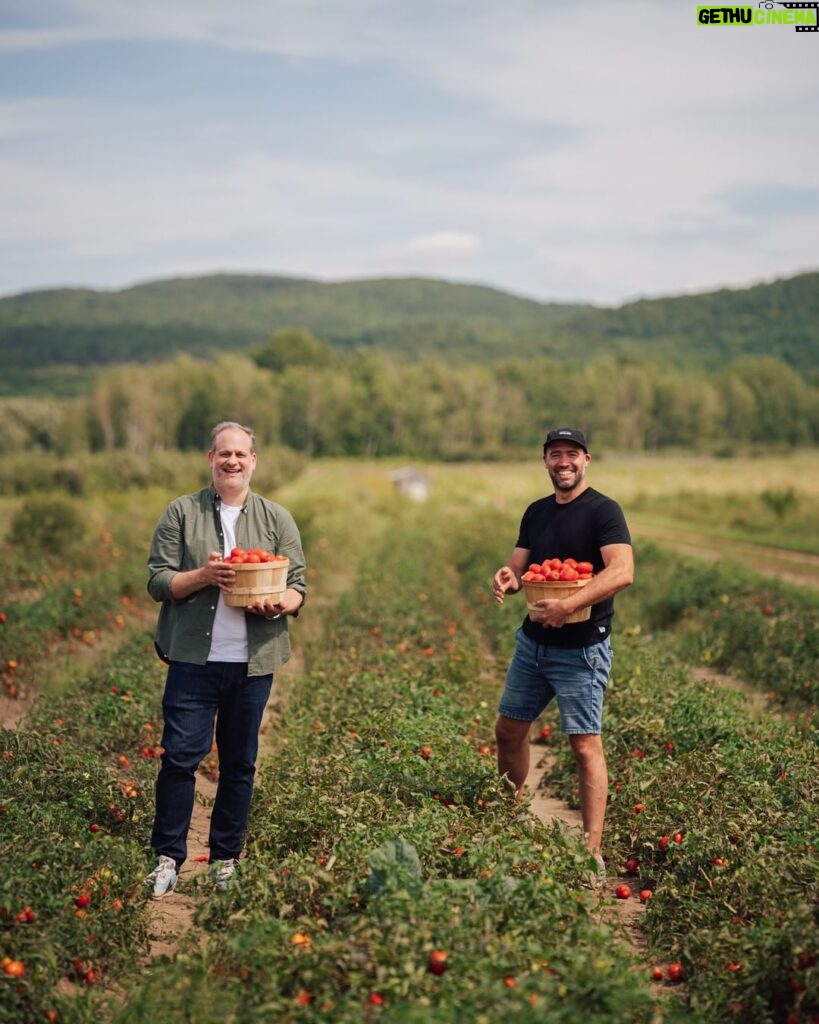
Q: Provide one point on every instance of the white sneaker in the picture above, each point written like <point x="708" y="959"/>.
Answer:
<point x="163" y="878"/>
<point x="221" y="873"/>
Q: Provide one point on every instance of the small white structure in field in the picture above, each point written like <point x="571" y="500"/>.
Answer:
<point x="411" y="483"/>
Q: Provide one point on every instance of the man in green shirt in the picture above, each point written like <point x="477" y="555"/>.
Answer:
<point x="221" y="659"/>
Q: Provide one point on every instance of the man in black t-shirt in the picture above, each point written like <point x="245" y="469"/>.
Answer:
<point x="556" y="659"/>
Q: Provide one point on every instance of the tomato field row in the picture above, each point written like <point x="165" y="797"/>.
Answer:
<point x="390" y="876"/>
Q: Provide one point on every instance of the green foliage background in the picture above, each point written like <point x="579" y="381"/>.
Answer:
<point x="422" y="369"/>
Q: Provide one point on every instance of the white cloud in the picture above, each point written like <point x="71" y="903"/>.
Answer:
<point x="553" y="149"/>
<point x="443" y="243"/>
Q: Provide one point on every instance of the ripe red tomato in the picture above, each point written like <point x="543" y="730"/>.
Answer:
<point x="584" y="567"/>
<point x="570" y="561"/>
<point x="437" y="962"/>
<point x="645" y="895"/>
<point x="82" y="900"/>
<point x="678" y="837"/>
<point x="657" y="973"/>
<point x="664" y="841"/>
<point x="555" y="563"/>
<point x="675" y="971"/>
<point x="14" y="968"/>
<point x="632" y="866"/>
<point x="622" y="892"/>
<point x="568" y="573"/>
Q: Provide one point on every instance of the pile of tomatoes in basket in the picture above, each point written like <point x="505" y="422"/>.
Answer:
<point x="251" y="556"/>
<point x="558" y="570"/>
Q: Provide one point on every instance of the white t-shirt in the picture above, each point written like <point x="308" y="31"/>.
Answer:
<point x="229" y="639"/>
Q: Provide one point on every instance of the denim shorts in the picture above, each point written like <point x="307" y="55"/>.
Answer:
<point x="576" y="676"/>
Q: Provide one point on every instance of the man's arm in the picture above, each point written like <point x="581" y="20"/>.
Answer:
<point x="617" y="574"/>
<point x="166" y="579"/>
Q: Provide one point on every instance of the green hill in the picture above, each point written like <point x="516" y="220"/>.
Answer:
<point x="42" y="331"/>
<point x="779" y="319"/>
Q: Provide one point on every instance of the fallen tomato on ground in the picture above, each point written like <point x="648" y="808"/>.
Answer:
<point x="437" y="963"/>
<point x="675" y="971"/>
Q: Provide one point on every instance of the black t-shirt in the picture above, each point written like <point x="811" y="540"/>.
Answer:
<point x="577" y="529"/>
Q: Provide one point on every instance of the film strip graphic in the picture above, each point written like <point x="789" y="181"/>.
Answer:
<point x="802" y="7"/>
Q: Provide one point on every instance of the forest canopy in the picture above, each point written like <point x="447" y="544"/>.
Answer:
<point x="415" y="369"/>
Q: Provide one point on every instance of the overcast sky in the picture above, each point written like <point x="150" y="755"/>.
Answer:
<point x="559" y="150"/>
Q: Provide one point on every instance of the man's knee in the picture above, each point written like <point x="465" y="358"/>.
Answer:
<point x="511" y="731"/>
<point x="587" y="748"/>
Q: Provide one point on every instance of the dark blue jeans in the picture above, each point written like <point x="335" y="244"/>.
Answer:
<point x="195" y="697"/>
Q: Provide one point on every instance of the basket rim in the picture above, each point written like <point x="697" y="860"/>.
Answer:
<point x="556" y="583"/>
<point x="280" y="563"/>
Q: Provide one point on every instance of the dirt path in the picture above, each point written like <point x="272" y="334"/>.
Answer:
<point x="624" y="915"/>
<point x="13" y="709"/>
<point x="780" y="563"/>
<point x="757" y="701"/>
<point x="170" y="919"/>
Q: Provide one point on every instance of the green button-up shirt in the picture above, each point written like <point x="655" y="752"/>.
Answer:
<point x="188" y="530"/>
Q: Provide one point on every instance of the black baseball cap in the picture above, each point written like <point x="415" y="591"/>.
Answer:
<point x="566" y="434"/>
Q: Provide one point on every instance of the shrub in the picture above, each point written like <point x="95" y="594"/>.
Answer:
<point x="50" y="524"/>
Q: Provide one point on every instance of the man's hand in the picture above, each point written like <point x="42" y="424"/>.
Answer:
<point x="218" y="573"/>
<point x="290" y="602"/>
<point x="214" y="573"/>
<point x="548" y="612"/>
<point x="504" y="582"/>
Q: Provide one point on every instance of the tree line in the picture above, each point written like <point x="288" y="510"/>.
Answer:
<point x="304" y="395"/>
<point x="53" y="339"/>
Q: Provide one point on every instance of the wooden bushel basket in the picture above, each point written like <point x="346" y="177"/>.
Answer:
<point x="558" y="590"/>
<point x="257" y="581"/>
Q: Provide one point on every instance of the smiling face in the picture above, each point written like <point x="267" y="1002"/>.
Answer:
<point x="566" y="465"/>
<point x="232" y="461"/>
